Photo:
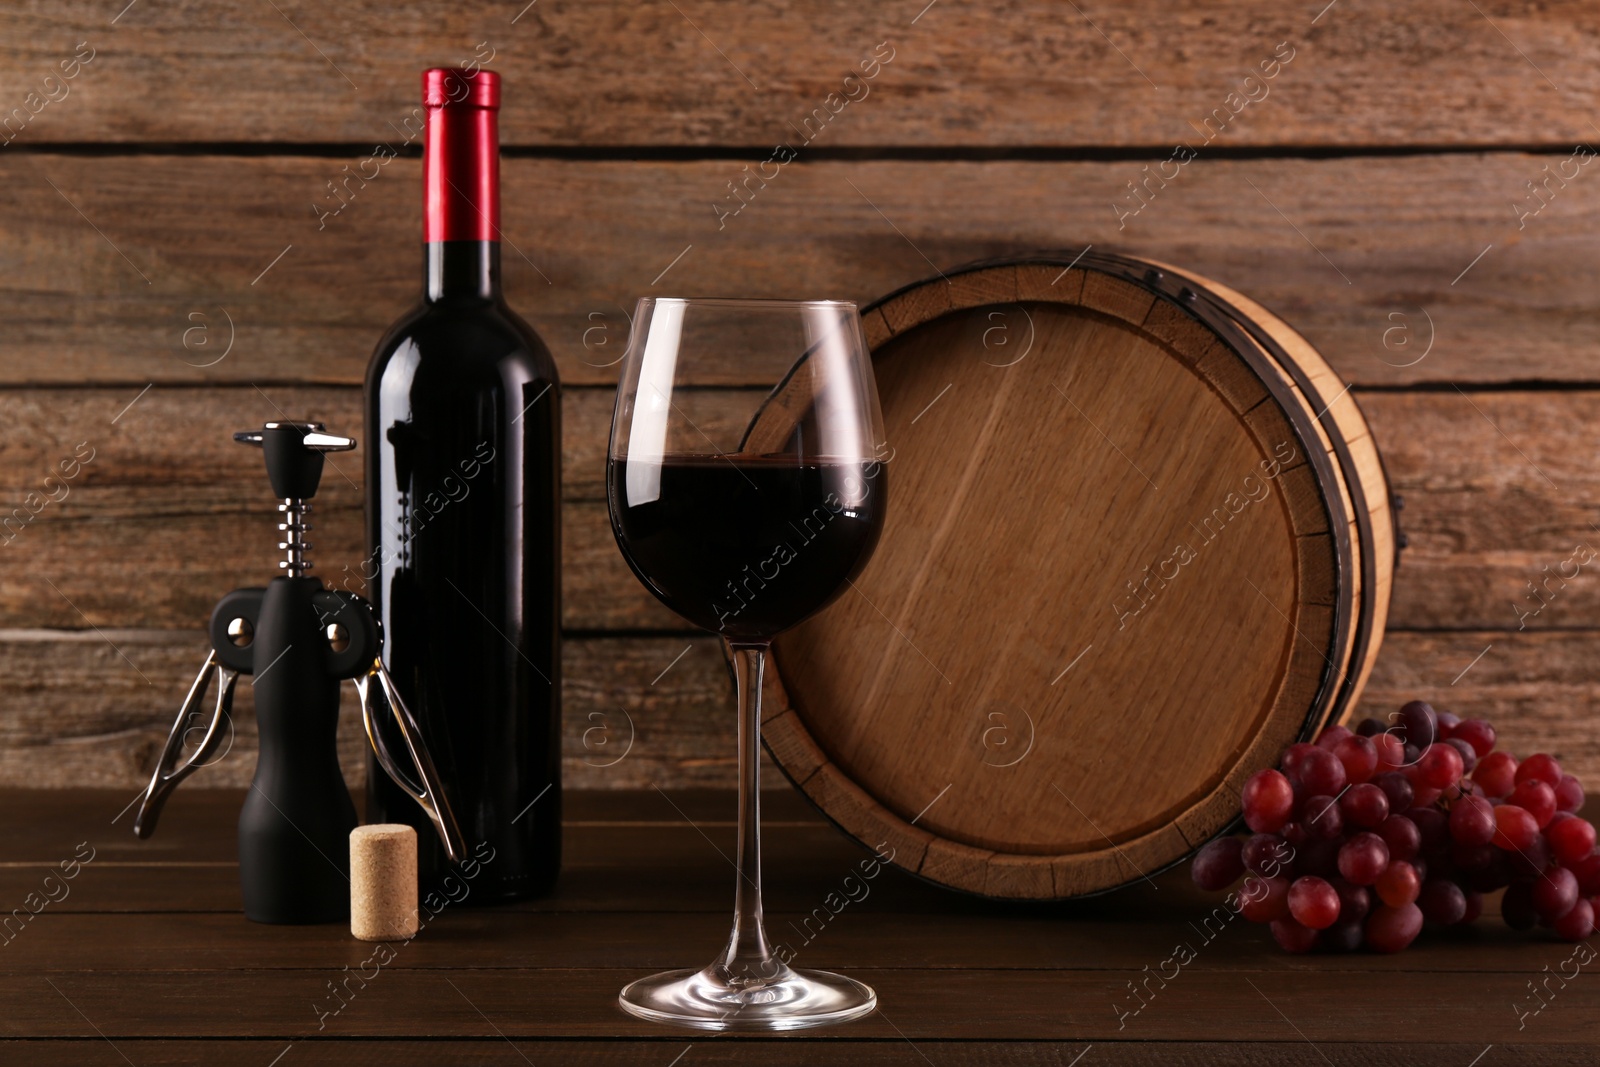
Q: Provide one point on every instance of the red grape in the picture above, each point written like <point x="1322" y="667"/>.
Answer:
<point x="1472" y="821"/>
<point x="1293" y="756"/>
<point x="1542" y="767"/>
<point x="1331" y="736"/>
<point x="1442" y="902"/>
<point x="1496" y="772"/>
<point x="1536" y="798"/>
<point x="1474" y="907"/>
<point x="1322" y="817"/>
<point x="1262" y="900"/>
<point x="1419" y="724"/>
<point x="1363" y="858"/>
<point x="1397" y="787"/>
<point x="1571" y="839"/>
<point x="1343" y="936"/>
<point x="1530" y="862"/>
<point x="1588" y="872"/>
<point x="1425" y="796"/>
<point x="1469" y="756"/>
<point x="1314" y="903"/>
<point x="1439" y="766"/>
<point x="1321" y="773"/>
<point x="1515" y="828"/>
<point x="1477" y="733"/>
<point x="1578" y="923"/>
<point x="1398" y="885"/>
<point x="1370" y="727"/>
<point x="1320" y="857"/>
<point x="1391" y="752"/>
<point x="1433" y="825"/>
<point x="1359" y="756"/>
<point x="1293" y="937"/>
<point x="1402" y="837"/>
<point x="1471" y="859"/>
<point x="1267" y="800"/>
<point x="1555" y="893"/>
<point x="1569" y="794"/>
<point x="1392" y="929"/>
<point x="1217" y="865"/>
<point x="1267" y="855"/>
<point x="1516" y="907"/>
<point x="1496" y="874"/>
<point x="1364" y="805"/>
<point x="1354" y="900"/>
<point x="1447" y="724"/>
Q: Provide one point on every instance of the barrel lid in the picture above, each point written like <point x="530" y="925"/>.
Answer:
<point x="1108" y="589"/>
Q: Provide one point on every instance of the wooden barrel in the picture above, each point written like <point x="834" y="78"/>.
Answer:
<point x="1139" y="539"/>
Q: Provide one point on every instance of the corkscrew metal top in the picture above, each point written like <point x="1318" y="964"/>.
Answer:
<point x="295" y="454"/>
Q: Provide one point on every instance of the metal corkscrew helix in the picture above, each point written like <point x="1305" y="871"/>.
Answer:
<point x="299" y="641"/>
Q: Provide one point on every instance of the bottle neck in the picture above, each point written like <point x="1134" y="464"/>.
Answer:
<point x="461" y="270"/>
<point x="461" y="187"/>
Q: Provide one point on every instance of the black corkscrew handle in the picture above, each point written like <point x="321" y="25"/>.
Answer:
<point x="298" y="641"/>
<point x="295" y="453"/>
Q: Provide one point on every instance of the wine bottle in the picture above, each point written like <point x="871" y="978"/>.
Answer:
<point x="463" y="521"/>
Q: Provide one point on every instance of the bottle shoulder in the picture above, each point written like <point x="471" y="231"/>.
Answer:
<point x="465" y="338"/>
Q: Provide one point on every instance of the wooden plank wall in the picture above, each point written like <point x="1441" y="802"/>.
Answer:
<point x="173" y="268"/>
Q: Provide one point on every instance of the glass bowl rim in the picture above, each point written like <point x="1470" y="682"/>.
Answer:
<point x="755" y="303"/>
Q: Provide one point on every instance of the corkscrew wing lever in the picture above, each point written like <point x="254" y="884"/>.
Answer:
<point x="429" y="794"/>
<point x="172" y="768"/>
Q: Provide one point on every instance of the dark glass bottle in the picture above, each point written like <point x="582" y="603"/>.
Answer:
<point x="463" y="521"/>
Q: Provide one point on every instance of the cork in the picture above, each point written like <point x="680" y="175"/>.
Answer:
<point x="383" y="882"/>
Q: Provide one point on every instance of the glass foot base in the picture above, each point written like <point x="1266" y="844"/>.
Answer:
<point x="710" y="999"/>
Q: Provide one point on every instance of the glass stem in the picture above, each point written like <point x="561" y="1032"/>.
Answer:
<point x="748" y="958"/>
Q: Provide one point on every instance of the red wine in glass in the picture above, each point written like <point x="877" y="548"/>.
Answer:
<point x="748" y="546"/>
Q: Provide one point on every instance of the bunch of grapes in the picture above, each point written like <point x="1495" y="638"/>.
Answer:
<point x="1362" y="837"/>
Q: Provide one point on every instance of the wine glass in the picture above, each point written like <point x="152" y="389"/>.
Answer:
<point x="746" y="513"/>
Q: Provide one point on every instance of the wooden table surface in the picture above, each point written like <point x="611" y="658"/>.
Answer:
<point x="145" y="958"/>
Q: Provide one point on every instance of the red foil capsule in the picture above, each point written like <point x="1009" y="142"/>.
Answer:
<point x="461" y="155"/>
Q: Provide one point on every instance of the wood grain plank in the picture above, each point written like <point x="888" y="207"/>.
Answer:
<point x="683" y="874"/>
<point x="1500" y="497"/>
<point x="681" y="837"/>
<point x="168" y="478"/>
<point x="496" y="939"/>
<point x="1498" y="488"/>
<point x="777" y="1052"/>
<point x="197" y="826"/>
<point x="93" y="708"/>
<point x="1336" y="246"/>
<point x="724" y="73"/>
<point x="1539" y="689"/>
<point x="83" y="715"/>
<point x="85" y="549"/>
<point x="183" y="437"/>
<point x="924" y="1005"/>
<point x="655" y="866"/>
